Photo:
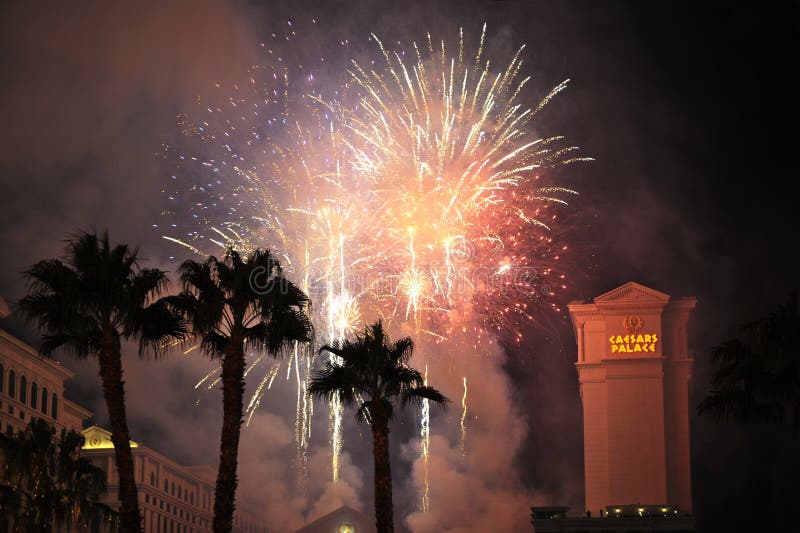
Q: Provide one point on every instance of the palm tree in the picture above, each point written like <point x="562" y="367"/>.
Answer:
<point x="48" y="482"/>
<point x="88" y="302"/>
<point x="231" y="304"/>
<point x="756" y="376"/>
<point x="373" y="372"/>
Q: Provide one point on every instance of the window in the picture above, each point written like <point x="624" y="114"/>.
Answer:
<point x="166" y="486"/>
<point x="10" y="430"/>
<point x="2" y="377"/>
<point x="54" y="410"/>
<point x="153" y="479"/>
<point x="22" y="415"/>
<point x="146" y="498"/>
<point x="12" y="383"/>
<point x="34" y="396"/>
<point x="23" y="390"/>
<point x="173" y="488"/>
<point x="44" y="401"/>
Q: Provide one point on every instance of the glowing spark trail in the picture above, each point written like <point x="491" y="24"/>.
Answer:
<point x="463" y="421"/>
<point x="425" y="437"/>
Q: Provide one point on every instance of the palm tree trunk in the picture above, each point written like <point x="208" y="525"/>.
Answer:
<point x="232" y="394"/>
<point x="114" y="392"/>
<point x="384" y="521"/>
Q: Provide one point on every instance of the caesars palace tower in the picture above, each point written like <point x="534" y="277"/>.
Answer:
<point x="634" y="368"/>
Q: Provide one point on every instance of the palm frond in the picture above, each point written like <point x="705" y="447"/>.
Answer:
<point x="159" y="327"/>
<point x="415" y="395"/>
<point x="375" y="368"/>
<point x="336" y="381"/>
<point x="214" y="344"/>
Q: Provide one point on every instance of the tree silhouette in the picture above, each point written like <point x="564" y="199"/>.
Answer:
<point x="87" y="303"/>
<point x="47" y="481"/>
<point x="231" y="304"/>
<point x="373" y="373"/>
<point x="756" y="376"/>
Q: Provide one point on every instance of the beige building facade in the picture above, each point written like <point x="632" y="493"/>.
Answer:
<point x="634" y="368"/>
<point x="32" y="386"/>
<point x="172" y="498"/>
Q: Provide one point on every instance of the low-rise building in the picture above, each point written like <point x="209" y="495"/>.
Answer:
<point x="32" y="386"/>
<point x="172" y="498"/>
<point x="343" y="520"/>
<point x="633" y="518"/>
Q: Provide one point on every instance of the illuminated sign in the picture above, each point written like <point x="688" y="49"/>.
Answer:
<point x="633" y="343"/>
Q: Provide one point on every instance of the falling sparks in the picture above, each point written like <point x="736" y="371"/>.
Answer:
<point x="425" y="443"/>
<point x="464" y="422"/>
<point x="335" y="430"/>
<point x="255" y="400"/>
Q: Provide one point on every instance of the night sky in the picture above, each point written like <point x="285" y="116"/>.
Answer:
<point x="689" y="110"/>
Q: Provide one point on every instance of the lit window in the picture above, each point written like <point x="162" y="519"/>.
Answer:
<point x="346" y="528"/>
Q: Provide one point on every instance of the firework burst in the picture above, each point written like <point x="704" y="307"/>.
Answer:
<point x="415" y="190"/>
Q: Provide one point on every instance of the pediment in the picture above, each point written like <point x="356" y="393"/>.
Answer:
<point x="99" y="438"/>
<point x="633" y="292"/>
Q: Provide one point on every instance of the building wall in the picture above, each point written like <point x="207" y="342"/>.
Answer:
<point x="595" y="435"/>
<point x="677" y="378"/>
<point x="31" y="387"/>
<point x="635" y="432"/>
<point x="172" y="498"/>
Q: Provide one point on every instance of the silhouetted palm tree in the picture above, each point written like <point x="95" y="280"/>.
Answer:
<point x="756" y="376"/>
<point x="233" y="304"/>
<point x="88" y="303"/>
<point x="49" y="483"/>
<point x="374" y="374"/>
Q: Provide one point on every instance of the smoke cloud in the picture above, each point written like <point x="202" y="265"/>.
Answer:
<point x="474" y="483"/>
